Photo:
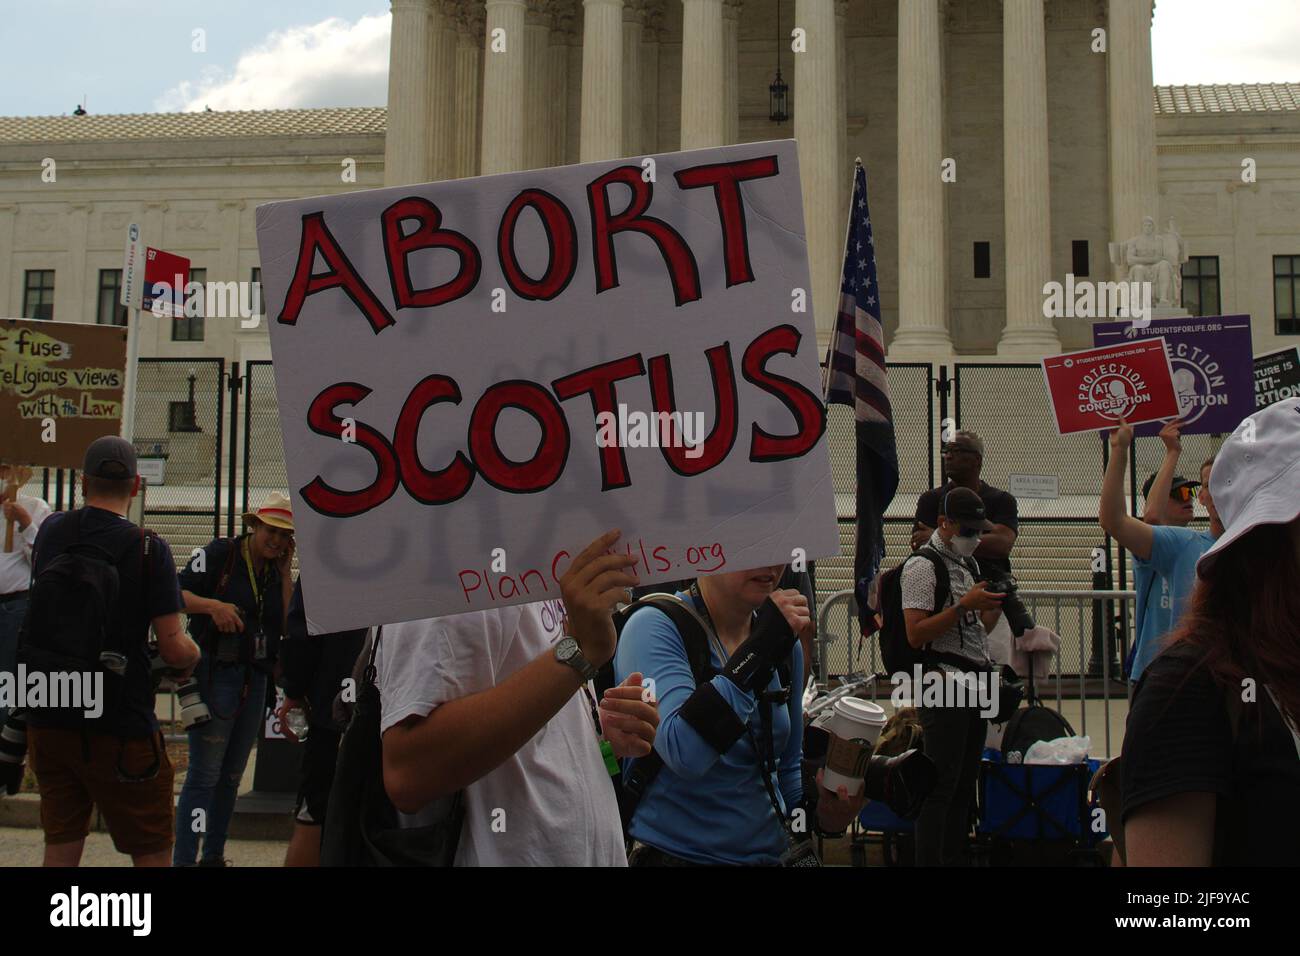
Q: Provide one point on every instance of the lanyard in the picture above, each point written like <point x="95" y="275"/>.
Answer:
<point x="252" y="580"/>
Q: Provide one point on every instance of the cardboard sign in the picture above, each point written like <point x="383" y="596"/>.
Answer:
<point x="477" y="378"/>
<point x="60" y="389"/>
<point x="165" y="278"/>
<point x="1212" y="367"/>
<point x="1093" y="389"/>
<point x="1277" y="376"/>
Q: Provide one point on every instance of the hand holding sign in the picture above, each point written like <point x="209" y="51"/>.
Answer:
<point x="594" y="583"/>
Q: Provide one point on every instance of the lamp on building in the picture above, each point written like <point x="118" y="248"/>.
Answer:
<point x="778" y="92"/>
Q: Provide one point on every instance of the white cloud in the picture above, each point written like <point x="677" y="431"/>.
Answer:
<point x="331" y="63"/>
<point x="1213" y="41"/>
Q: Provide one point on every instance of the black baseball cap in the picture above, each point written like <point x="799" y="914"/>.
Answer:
<point x="964" y="506"/>
<point x="110" y="457"/>
<point x="1178" y="482"/>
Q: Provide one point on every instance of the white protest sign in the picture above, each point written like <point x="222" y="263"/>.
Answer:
<point x="475" y="380"/>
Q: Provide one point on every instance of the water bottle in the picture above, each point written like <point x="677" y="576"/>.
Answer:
<point x="296" y="721"/>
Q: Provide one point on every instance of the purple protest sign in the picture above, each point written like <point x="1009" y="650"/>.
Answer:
<point x="1213" y="366"/>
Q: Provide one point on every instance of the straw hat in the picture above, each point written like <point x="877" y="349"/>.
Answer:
<point x="275" y="511"/>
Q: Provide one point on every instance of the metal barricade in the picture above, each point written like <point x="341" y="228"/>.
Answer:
<point x="1086" y="670"/>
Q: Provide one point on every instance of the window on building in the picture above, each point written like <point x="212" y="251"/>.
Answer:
<point x="189" y="328"/>
<point x="38" y="294"/>
<point x="983" y="263"/>
<point x="1201" y="285"/>
<point x="1286" y="294"/>
<point x="180" y="417"/>
<point x="110" y="310"/>
<point x="1079" y="257"/>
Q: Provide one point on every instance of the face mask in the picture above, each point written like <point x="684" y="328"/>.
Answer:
<point x="965" y="546"/>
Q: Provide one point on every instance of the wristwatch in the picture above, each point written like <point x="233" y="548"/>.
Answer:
<point x="568" y="652"/>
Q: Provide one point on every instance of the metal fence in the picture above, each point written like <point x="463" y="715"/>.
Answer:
<point x="263" y="451"/>
<point x="1085" y="682"/>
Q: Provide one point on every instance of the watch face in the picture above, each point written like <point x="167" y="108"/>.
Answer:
<point x="566" y="649"/>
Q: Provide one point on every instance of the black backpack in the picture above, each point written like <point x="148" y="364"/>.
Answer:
<point x="75" y="618"/>
<point x="896" y="653"/>
<point x="1032" y="723"/>
<point x="632" y="782"/>
<point x="361" y="825"/>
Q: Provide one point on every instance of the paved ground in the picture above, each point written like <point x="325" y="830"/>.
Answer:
<point x="20" y="846"/>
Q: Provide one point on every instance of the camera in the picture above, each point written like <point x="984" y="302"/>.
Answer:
<point x="194" y="713"/>
<point x="1018" y="616"/>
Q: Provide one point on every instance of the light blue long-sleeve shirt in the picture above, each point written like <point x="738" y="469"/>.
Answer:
<point x="705" y="806"/>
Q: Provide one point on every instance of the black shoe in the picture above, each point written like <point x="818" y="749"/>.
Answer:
<point x="214" y="863"/>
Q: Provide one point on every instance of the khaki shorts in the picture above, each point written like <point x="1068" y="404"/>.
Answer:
<point x="139" y="812"/>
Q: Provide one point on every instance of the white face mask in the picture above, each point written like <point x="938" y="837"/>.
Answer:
<point x="965" y="546"/>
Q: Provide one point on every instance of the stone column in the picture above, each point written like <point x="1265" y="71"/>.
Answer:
<point x="842" y="109"/>
<point x="816" y="126"/>
<point x="537" y="98"/>
<point x="1133" y="191"/>
<point x="10" y="292"/>
<point x="731" y="71"/>
<point x="1027" y="197"/>
<point x="922" y="250"/>
<point x="469" y="74"/>
<point x="702" y="74"/>
<point x="633" y="91"/>
<point x="72" y="298"/>
<point x="504" y="87"/>
<point x="442" y="90"/>
<point x="602" y="80"/>
<point x="650" y="34"/>
<point x="558" y="84"/>
<point x="407" y="139"/>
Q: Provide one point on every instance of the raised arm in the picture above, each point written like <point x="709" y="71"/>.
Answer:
<point x="1131" y="533"/>
<point x="1161" y="487"/>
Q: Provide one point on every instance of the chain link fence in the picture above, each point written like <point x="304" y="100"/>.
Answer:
<point x="263" y="458"/>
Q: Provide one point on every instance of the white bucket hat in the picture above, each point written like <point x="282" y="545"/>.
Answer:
<point x="1256" y="476"/>
<point x="275" y="511"/>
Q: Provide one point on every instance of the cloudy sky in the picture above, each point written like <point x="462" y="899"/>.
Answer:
<point x="135" y="56"/>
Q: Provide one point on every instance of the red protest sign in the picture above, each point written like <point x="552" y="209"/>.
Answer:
<point x="1093" y="389"/>
<point x="165" y="277"/>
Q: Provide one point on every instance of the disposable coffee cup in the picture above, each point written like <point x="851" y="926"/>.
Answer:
<point x="854" y="730"/>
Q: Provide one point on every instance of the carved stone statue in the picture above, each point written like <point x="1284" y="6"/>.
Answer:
<point x="1147" y="259"/>
<point x="1176" y="255"/>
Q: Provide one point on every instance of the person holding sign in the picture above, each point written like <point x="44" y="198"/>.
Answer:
<point x="731" y="746"/>
<point x="239" y="590"/>
<point x="22" y="519"/>
<point x="1167" y="553"/>
<point x="498" y="703"/>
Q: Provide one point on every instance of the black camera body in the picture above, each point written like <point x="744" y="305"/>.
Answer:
<point x="1018" y="616"/>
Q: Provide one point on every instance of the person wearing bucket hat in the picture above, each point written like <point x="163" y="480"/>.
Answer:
<point x="237" y="592"/>
<point x="1211" y="763"/>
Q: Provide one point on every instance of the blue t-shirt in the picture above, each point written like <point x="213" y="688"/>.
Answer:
<point x="705" y="806"/>
<point x="1163" y="583"/>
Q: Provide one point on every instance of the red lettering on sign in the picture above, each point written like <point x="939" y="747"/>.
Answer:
<point x="808" y="411"/>
<point x="725" y="178"/>
<point x="316" y="237"/>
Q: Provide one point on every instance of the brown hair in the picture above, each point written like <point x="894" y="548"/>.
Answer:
<point x="1208" y="463"/>
<point x="1245" y="617"/>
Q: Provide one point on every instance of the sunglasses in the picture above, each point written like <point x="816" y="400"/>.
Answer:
<point x="1184" y="493"/>
<point x="951" y="449"/>
<point x="966" y="532"/>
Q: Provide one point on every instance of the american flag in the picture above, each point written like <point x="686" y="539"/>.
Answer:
<point x="855" y="375"/>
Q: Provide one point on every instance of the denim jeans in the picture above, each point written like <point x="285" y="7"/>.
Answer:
<point x="11" y="619"/>
<point x="219" y="752"/>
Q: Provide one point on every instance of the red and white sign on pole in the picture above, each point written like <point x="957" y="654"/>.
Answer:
<point x="1093" y="389"/>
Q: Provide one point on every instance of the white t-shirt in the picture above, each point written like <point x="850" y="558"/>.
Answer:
<point x="552" y="802"/>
